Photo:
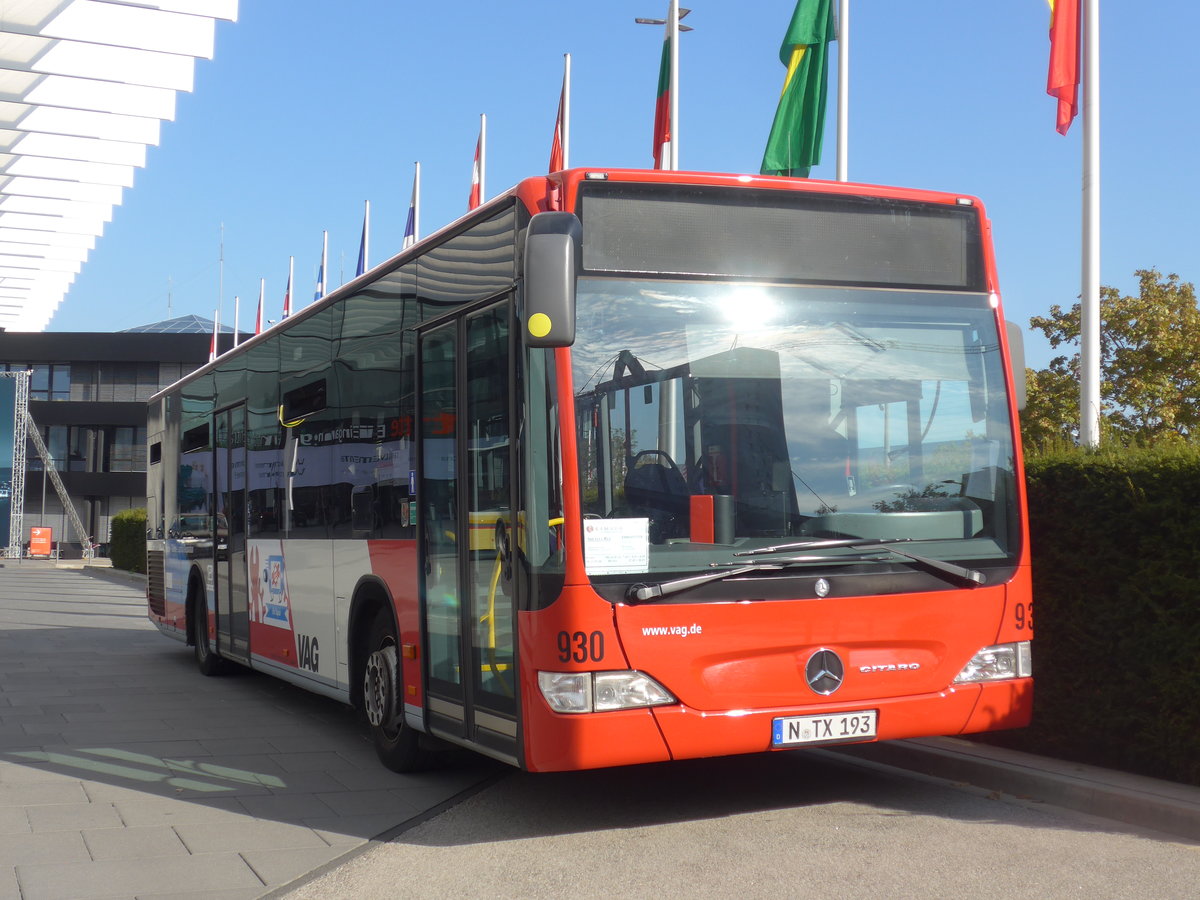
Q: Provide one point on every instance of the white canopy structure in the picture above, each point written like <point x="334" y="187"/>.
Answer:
<point x="84" y="85"/>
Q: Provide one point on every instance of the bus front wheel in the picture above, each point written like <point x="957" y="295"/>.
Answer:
<point x="206" y="660"/>
<point x="397" y="744"/>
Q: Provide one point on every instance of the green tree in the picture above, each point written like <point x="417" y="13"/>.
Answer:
<point x="1149" y="377"/>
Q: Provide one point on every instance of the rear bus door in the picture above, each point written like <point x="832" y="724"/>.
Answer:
<point x="229" y="533"/>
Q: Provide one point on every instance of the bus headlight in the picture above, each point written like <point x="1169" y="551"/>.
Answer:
<point x="585" y="692"/>
<point x="998" y="663"/>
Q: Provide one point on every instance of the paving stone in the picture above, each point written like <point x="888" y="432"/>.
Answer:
<point x="73" y="816"/>
<point x="94" y="880"/>
<point x="19" y="849"/>
<point x="276" y="867"/>
<point x="133" y="843"/>
<point x="246" y="835"/>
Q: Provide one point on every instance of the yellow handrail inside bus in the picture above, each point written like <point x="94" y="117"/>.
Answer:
<point x="490" y="617"/>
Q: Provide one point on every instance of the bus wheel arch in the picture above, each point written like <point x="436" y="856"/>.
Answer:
<point x="377" y="683"/>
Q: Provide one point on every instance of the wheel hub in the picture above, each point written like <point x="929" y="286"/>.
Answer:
<point x="379" y="686"/>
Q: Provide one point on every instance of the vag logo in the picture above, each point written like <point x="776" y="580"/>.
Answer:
<point x="308" y="652"/>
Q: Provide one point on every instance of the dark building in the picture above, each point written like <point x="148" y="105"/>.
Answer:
<point x="87" y="397"/>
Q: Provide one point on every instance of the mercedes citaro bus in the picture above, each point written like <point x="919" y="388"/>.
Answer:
<point x="623" y="466"/>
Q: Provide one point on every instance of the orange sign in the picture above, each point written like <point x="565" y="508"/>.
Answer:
<point x="40" y="541"/>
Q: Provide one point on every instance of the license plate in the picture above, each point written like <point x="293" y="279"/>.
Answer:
<point x="827" y="729"/>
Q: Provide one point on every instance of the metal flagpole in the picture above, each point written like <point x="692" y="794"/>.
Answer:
<point x="843" y="113"/>
<point x="566" y="122"/>
<point x="673" y="25"/>
<point x="416" y="201"/>
<point x="1089" y="306"/>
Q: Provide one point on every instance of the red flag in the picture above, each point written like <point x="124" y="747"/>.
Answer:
<point x="258" y="318"/>
<point x="1062" y="80"/>
<point x="556" y="146"/>
<point x="476" y="176"/>
<point x="662" y="107"/>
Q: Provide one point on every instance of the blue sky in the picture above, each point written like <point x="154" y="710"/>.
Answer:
<point x="308" y="109"/>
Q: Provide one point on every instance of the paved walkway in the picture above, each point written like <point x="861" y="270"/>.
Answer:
<point x="125" y="773"/>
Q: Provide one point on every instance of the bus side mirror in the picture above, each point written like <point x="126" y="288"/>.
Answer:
<point x="553" y="251"/>
<point x="1016" y="355"/>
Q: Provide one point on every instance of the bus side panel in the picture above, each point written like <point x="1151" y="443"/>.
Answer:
<point x="395" y="562"/>
<point x="575" y="634"/>
<point x="291" y="605"/>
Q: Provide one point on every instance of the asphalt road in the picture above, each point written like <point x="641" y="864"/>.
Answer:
<point x="803" y="824"/>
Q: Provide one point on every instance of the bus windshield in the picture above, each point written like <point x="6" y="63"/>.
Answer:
<point x="715" y="418"/>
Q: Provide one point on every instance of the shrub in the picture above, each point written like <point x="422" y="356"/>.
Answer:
<point x="1115" y="538"/>
<point x="127" y="548"/>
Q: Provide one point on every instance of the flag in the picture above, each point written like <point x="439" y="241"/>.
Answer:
<point x="362" y="243"/>
<point x="794" y="145"/>
<point x="258" y="319"/>
<point x="1062" y="81"/>
<point x="410" y="224"/>
<point x="287" y="295"/>
<point x="662" y="106"/>
<point x="320" y="291"/>
<point x="558" y="154"/>
<point x="477" y="171"/>
<point x="212" y="344"/>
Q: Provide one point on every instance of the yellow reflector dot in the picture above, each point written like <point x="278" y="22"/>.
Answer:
<point x="539" y="324"/>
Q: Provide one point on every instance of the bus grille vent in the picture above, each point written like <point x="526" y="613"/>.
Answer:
<point x="156" y="592"/>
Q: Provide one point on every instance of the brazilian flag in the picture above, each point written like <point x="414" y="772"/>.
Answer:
<point x="794" y="146"/>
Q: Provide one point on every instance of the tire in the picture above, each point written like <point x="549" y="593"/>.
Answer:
<point x="206" y="660"/>
<point x="396" y="743"/>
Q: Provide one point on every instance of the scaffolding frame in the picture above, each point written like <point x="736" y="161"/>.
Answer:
<point x="24" y="430"/>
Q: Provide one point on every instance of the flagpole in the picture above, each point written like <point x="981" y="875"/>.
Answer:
<point x="673" y="27"/>
<point x="416" y="201"/>
<point x="237" y="317"/>
<point x="566" y="123"/>
<point x="843" y="113"/>
<point x="1089" y="337"/>
<point x="216" y="341"/>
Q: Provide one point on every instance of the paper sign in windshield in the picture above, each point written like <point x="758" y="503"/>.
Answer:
<point x="616" y="546"/>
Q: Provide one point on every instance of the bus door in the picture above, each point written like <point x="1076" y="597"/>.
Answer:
<point x="465" y="467"/>
<point x="229" y="533"/>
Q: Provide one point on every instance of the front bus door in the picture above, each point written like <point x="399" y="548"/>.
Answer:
<point x="465" y="468"/>
<point x="229" y="533"/>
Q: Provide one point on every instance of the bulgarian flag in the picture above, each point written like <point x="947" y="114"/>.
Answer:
<point x="662" y="106"/>
<point x="794" y="145"/>
<point x="1062" y="80"/>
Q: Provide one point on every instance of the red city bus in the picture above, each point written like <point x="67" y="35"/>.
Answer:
<point x="622" y="467"/>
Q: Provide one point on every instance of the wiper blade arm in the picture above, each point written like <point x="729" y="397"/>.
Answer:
<point x="822" y="544"/>
<point x="647" y="593"/>
<point x="971" y="577"/>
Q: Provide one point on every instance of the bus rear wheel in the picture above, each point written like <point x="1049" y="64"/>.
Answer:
<point x="396" y="743"/>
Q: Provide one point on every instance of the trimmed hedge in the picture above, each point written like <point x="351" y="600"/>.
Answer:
<point x="1115" y="537"/>
<point x="127" y="549"/>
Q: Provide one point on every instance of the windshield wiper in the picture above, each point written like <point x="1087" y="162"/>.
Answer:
<point x="970" y="577"/>
<point x="645" y="593"/>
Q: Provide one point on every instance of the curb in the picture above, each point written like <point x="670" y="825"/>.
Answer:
<point x="1132" y="799"/>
